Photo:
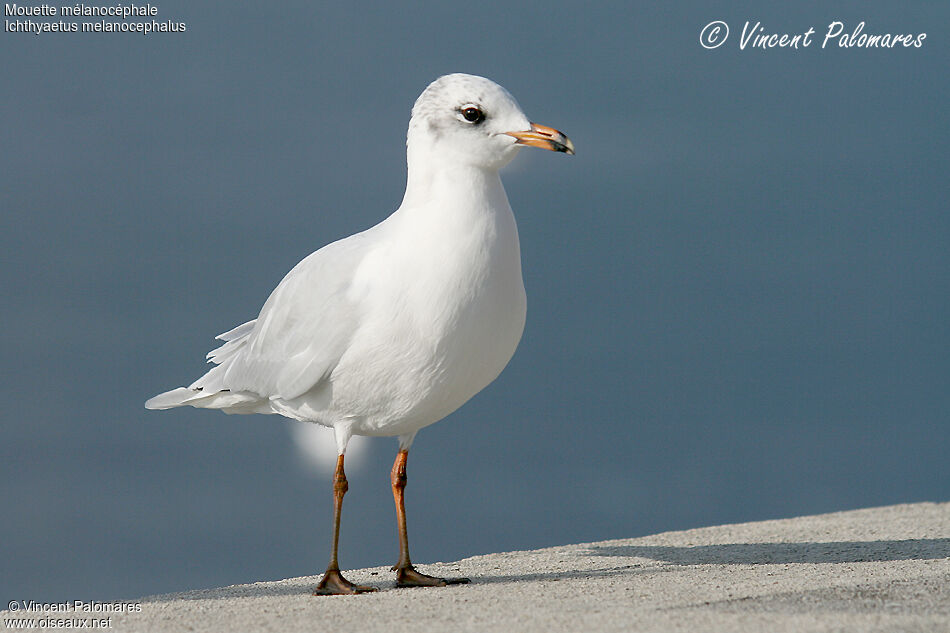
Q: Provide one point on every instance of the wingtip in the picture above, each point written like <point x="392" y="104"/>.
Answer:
<point x="169" y="399"/>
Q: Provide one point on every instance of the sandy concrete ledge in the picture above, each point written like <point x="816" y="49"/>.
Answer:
<point x="880" y="569"/>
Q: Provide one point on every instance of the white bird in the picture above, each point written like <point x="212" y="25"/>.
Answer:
<point x="394" y="328"/>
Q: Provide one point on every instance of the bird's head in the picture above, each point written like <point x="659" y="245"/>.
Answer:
<point x="474" y="121"/>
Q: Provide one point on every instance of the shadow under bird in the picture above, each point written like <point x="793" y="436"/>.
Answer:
<point x="394" y="328"/>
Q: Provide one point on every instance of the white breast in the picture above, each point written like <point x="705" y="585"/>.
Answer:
<point x="445" y="309"/>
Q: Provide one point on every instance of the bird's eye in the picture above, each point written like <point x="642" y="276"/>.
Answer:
<point x="472" y="114"/>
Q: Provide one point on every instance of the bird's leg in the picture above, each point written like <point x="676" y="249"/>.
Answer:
<point x="333" y="582"/>
<point x="406" y="574"/>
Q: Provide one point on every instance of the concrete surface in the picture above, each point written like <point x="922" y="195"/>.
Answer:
<point x="879" y="569"/>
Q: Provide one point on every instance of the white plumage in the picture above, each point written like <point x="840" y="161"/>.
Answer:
<point x="392" y="329"/>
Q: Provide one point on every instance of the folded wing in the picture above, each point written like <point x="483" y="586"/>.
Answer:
<point x="294" y="344"/>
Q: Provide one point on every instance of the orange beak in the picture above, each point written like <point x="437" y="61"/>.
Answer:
<point x="545" y="138"/>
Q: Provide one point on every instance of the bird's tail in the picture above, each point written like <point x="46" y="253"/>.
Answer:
<point x="227" y="401"/>
<point x="209" y="391"/>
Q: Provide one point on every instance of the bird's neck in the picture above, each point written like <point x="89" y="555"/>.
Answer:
<point x="436" y="181"/>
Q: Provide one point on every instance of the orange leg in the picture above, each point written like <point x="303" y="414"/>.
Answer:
<point x="406" y="574"/>
<point x="333" y="582"/>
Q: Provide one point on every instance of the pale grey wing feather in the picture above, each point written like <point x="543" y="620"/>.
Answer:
<point x="301" y="333"/>
<point x="234" y="341"/>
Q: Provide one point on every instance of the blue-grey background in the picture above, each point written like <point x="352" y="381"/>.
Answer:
<point x="738" y="288"/>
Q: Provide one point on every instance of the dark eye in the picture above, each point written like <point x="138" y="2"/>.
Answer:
<point x="473" y="114"/>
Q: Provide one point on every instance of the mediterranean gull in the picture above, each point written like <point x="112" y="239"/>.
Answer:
<point x="389" y="330"/>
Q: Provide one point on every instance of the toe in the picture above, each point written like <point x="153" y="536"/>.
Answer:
<point x="334" y="584"/>
<point x="409" y="577"/>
